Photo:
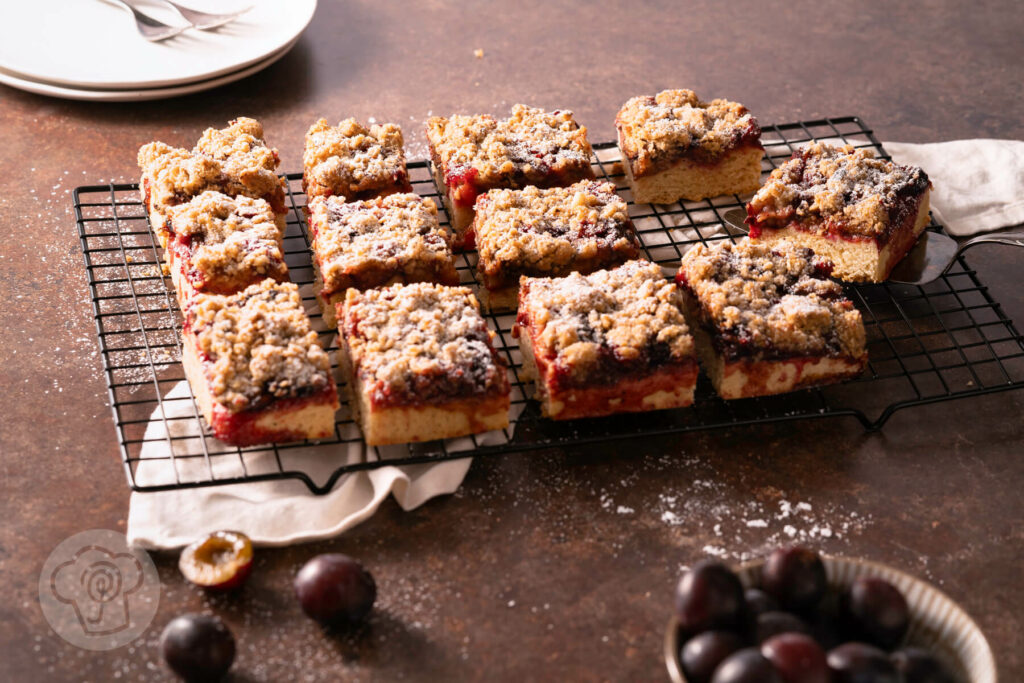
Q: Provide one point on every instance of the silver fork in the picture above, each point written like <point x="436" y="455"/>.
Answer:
<point x="204" y="20"/>
<point x="151" y="29"/>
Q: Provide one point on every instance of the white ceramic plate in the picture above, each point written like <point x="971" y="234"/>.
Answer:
<point x="139" y="95"/>
<point x="92" y="44"/>
<point x="936" y="622"/>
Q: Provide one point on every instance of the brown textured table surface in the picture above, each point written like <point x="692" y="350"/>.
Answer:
<point x="547" y="566"/>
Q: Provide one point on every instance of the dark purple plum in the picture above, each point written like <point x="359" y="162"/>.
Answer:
<point x="874" y="610"/>
<point x="824" y="621"/>
<point x="746" y="666"/>
<point x="709" y="596"/>
<point x="335" y="589"/>
<point x="704" y="652"/>
<point x="797" y="658"/>
<point x="861" y="663"/>
<point x="920" y="666"/>
<point x="759" y="602"/>
<point x="198" y="647"/>
<point x="774" y="623"/>
<point x="795" y="576"/>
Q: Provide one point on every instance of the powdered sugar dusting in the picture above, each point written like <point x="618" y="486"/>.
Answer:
<point x="705" y="509"/>
<point x="47" y="308"/>
<point x="752" y="529"/>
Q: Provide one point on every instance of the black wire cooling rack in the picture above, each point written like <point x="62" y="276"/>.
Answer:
<point x="944" y="340"/>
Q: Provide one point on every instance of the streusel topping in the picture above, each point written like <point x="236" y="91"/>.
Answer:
<point x="388" y="233"/>
<point x="243" y="154"/>
<point x="825" y="188"/>
<point x="607" y="322"/>
<point x="234" y="160"/>
<point x="770" y="301"/>
<point x="541" y="231"/>
<point x="258" y="346"/>
<point x="350" y="159"/>
<point x="233" y="239"/>
<point x="531" y="143"/>
<point x="420" y="343"/>
<point x="659" y="130"/>
<point x="174" y="174"/>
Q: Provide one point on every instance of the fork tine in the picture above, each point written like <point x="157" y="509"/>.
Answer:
<point x="155" y="35"/>
<point x="149" y="28"/>
<point x="204" y="20"/>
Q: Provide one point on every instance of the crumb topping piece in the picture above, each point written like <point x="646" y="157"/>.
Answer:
<point x="824" y="188"/>
<point x="420" y="343"/>
<point x="552" y="231"/>
<point x="531" y="144"/>
<point x="173" y="174"/>
<point x="770" y="301"/>
<point x="351" y="160"/>
<point x="608" y="323"/>
<point x="234" y="160"/>
<point x="258" y="346"/>
<point x="656" y="131"/>
<point x="395" y="234"/>
<point x="228" y="240"/>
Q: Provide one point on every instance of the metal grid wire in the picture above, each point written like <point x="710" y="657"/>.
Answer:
<point x="947" y="339"/>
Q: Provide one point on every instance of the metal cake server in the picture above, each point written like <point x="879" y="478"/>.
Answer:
<point x="932" y="256"/>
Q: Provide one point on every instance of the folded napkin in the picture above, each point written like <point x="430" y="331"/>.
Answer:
<point x="271" y="513"/>
<point x="978" y="185"/>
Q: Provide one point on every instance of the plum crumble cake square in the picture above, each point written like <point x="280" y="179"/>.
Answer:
<point x="234" y="160"/>
<point x="675" y="146"/>
<point x="256" y="368"/>
<point x="220" y="245"/>
<point x="550" y="232"/>
<point x="376" y="242"/>
<point x="473" y="154"/>
<point x="859" y="212"/>
<point x="354" y="162"/>
<point x="767" y="320"/>
<point x="420" y="364"/>
<point x="613" y="341"/>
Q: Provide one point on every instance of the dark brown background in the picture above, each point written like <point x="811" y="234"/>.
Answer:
<point x="547" y="566"/>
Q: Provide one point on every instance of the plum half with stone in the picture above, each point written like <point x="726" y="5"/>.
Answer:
<point x="220" y="561"/>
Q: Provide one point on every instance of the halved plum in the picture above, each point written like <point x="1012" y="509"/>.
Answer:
<point x="220" y="561"/>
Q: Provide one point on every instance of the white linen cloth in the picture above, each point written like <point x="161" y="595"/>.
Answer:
<point x="271" y="513"/>
<point x="978" y="185"/>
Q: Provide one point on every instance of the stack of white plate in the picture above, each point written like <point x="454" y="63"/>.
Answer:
<point x="90" y="49"/>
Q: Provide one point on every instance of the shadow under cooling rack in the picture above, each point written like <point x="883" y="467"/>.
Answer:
<point x="945" y="340"/>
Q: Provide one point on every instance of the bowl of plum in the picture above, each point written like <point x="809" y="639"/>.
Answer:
<point x="800" y="617"/>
